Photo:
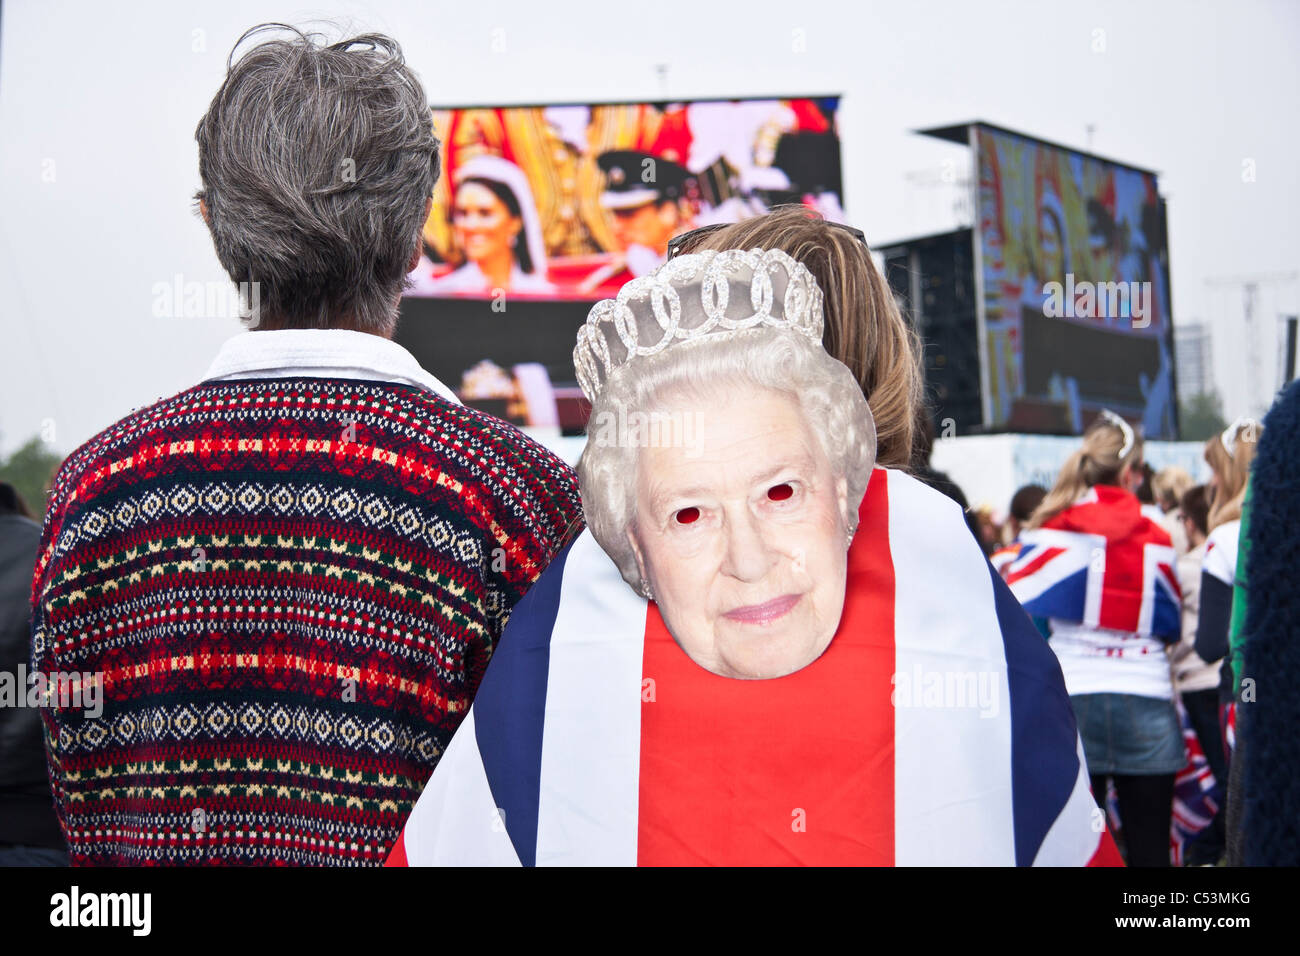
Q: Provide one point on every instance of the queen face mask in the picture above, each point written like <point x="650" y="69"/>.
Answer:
<point x="738" y="520"/>
<point x="743" y="540"/>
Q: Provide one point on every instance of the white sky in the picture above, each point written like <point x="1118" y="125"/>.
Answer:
<point x="103" y="99"/>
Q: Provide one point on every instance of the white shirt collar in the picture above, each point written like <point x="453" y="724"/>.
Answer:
<point x="321" y="353"/>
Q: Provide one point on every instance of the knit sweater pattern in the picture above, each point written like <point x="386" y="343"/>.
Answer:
<point x="285" y="593"/>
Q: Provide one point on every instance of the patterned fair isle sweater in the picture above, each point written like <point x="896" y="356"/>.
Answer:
<point x="287" y="592"/>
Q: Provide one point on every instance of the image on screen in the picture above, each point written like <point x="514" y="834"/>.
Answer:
<point x="542" y="210"/>
<point x="1075" y="280"/>
<point x="570" y="202"/>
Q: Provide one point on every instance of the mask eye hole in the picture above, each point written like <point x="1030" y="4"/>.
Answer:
<point x="687" y="515"/>
<point x="780" y="492"/>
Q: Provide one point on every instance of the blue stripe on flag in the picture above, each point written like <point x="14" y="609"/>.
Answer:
<point x="1167" y="620"/>
<point x="1066" y="599"/>
<point x="510" y="709"/>
<point x="1044" y="736"/>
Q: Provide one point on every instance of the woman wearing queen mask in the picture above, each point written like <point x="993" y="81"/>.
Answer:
<point x="765" y="649"/>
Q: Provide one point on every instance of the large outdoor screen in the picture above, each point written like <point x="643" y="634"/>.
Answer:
<point x="541" y="210"/>
<point x="569" y="202"/>
<point x="1074" y="269"/>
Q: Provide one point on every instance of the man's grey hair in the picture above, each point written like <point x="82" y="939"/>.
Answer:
<point x="711" y="370"/>
<point x="316" y="161"/>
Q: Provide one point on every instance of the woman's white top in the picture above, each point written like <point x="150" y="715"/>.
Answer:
<point x="1095" y="660"/>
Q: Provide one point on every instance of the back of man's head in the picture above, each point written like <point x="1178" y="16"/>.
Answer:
<point x="1195" y="505"/>
<point x="317" y="160"/>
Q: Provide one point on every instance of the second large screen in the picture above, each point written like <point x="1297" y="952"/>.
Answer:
<point x="1075" y="278"/>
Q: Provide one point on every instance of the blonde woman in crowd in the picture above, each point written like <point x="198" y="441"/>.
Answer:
<point x="1101" y="572"/>
<point x="1229" y="456"/>
<point x="1168" y="486"/>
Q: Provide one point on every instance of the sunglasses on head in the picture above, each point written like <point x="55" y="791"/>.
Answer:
<point x="677" y="242"/>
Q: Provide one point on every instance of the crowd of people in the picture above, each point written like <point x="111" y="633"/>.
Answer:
<point x="1136" y="744"/>
<point x="1129" y="689"/>
<point x="329" y="615"/>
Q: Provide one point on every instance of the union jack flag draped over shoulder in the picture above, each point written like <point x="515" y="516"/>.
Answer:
<point x="1100" y="562"/>
<point x="934" y="730"/>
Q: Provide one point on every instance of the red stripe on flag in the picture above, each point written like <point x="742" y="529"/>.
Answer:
<point x="1168" y="573"/>
<point x="796" y="770"/>
<point x="1107" y="854"/>
<point x="1122" y="586"/>
<point x="397" y="857"/>
<point x="1034" y="565"/>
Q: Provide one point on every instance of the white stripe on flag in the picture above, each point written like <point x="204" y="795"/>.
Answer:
<point x="455" y="822"/>
<point x="952" y="766"/>
<point x="1077" y="548"/>
<point x="1076" y="832"/>
<point x="1153" y="555"/>
<point x="1150" y="586"/>
<point x="1096" y="580"/>
<point x="587" y="808"/>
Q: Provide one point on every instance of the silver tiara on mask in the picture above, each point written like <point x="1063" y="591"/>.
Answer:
<point x="691" y="297"/>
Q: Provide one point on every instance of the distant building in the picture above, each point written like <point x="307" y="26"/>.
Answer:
<point x="1192" y="357"/>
